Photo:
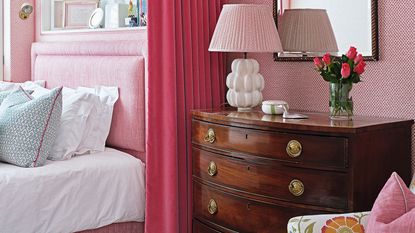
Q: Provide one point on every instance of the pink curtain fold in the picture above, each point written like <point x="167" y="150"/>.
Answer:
<point x="183" y="75"/>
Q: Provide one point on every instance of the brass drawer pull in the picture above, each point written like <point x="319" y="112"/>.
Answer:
<point x="294" y="148"/>
<point x="212" y="169"/>
<point x="212" y="207"/>
<point x="296" y="187"/>
<point x="210" y="136"/>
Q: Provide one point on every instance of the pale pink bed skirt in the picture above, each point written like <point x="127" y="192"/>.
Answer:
<point x="127" y="227"/>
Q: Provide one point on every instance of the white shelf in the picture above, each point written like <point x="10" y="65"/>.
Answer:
<point x="89" y="30"/>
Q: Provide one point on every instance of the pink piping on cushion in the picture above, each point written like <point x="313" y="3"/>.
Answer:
<point x="46" y="126"/>
<point x="27" y="95"/>
<point x="395" y="176"/>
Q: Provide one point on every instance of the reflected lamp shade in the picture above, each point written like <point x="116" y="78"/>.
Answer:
<point x="307" y="30"/>
<point x="245" y="28"/>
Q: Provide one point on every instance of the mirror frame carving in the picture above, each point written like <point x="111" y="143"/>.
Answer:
<point x="375" y="35"/>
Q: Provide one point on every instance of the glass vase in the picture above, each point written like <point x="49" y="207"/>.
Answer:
<point x="341" y="104"/>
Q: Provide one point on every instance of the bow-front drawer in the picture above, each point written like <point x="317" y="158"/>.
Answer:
<point x="297" y="185"/>
<point x="239" y="214"/>
<point x="322" y="151"/>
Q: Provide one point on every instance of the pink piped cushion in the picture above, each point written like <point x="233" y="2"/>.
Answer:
<point x="393" y="210"/>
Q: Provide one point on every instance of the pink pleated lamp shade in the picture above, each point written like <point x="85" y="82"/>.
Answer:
<point x="307" y="30"/>
<point x="245" y="28"/>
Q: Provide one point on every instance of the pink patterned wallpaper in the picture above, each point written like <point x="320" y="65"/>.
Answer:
<point x="22" y="34"/>
<point x="389" y="84"/>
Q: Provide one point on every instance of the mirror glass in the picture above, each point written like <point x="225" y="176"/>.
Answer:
<point x="354" y="23"/>
<point x="92" y="15"/>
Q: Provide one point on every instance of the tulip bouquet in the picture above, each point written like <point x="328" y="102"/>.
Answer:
<point x="346" y="69"/>
<point x="341" y="72"/>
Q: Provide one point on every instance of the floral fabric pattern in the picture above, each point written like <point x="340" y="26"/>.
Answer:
<point x="343" y="224"/>
<point x="329" y="223"/>
<point x="333" y="223"/>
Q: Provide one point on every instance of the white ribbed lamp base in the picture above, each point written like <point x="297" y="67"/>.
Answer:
<point x="245" y="84"/>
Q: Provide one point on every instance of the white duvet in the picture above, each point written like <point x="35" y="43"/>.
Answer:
<point x="84" y="192"/>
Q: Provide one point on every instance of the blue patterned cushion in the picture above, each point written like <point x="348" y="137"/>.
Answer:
<point x="28" y="127"/>
<point x="4" y="94"/>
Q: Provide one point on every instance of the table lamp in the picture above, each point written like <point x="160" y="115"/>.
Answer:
<point x="307" y="31"/>
<point x="245" y="28"/>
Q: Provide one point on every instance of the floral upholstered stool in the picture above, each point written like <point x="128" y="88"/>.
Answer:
<point x="329" y="223"/>
<point x="350" y="222"/>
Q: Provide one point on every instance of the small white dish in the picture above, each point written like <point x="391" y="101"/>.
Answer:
<point x="96" y="18"/>
<point x="275" y="107"/>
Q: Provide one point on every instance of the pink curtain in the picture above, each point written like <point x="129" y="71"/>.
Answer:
<point x="183" y="75"/>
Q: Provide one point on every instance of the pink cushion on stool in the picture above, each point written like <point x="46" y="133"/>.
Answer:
<point x="393" y="210"/>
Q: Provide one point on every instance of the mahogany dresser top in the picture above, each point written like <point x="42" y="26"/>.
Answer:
<point x="317" y="121"/>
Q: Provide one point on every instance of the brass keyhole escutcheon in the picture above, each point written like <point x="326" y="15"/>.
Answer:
<point x="294" y="148"/>
<point x="296" y="187"/>
<point x="212" y="207"/>
<point x="212" y="168"/>
<point x="210" y="136"/>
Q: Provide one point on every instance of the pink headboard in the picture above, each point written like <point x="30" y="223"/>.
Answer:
<point x="88" y="64"/>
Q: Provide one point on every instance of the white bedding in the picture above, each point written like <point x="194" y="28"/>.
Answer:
<point x="84" y="192"/>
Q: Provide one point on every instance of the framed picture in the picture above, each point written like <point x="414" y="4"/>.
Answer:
<point x="142" y="12"/>
<point x="77" y="13"/>
<point x="57" y="14"/>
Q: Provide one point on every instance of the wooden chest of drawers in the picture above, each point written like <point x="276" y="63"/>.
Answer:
<point x="252" y="172"/>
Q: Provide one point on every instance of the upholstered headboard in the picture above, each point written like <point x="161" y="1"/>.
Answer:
<point x="88" y="64"/>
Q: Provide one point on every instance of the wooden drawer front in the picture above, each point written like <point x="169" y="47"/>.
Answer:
<point x="240" y="214"/>
<point x="328" y="189"/>
<point x="199" y="227"/>
<point x="315" y="150"/>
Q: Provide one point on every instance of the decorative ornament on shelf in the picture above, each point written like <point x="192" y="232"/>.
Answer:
<point x="132" y="20"/>
<point x="245" y="28"/>
<point x="341" y="72"/>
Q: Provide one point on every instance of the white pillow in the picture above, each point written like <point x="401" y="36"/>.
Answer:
<point x="85" y="121"/>
<point x="99" y="121"/>
<point x="76" y="107"/>
<point x="28" y="85"/>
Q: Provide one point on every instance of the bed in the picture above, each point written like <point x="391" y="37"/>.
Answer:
<point x="102" y="192"/>
<point x="84" y="192"/>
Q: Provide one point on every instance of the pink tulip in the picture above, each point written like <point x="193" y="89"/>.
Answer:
<point x="351" y="54"/>
<point x="358" y="59"/>
<point x="360" y="68"/>
<point x="345" y="70"/>
<point x="317" y="63"/>
<point x="327" y="59"/>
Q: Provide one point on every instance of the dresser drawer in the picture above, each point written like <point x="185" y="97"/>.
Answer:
<point x="304" y="149"/>
<point x="299" y="185"/>
<point x="199" y="227"/>
<point x="240" y="214"/>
